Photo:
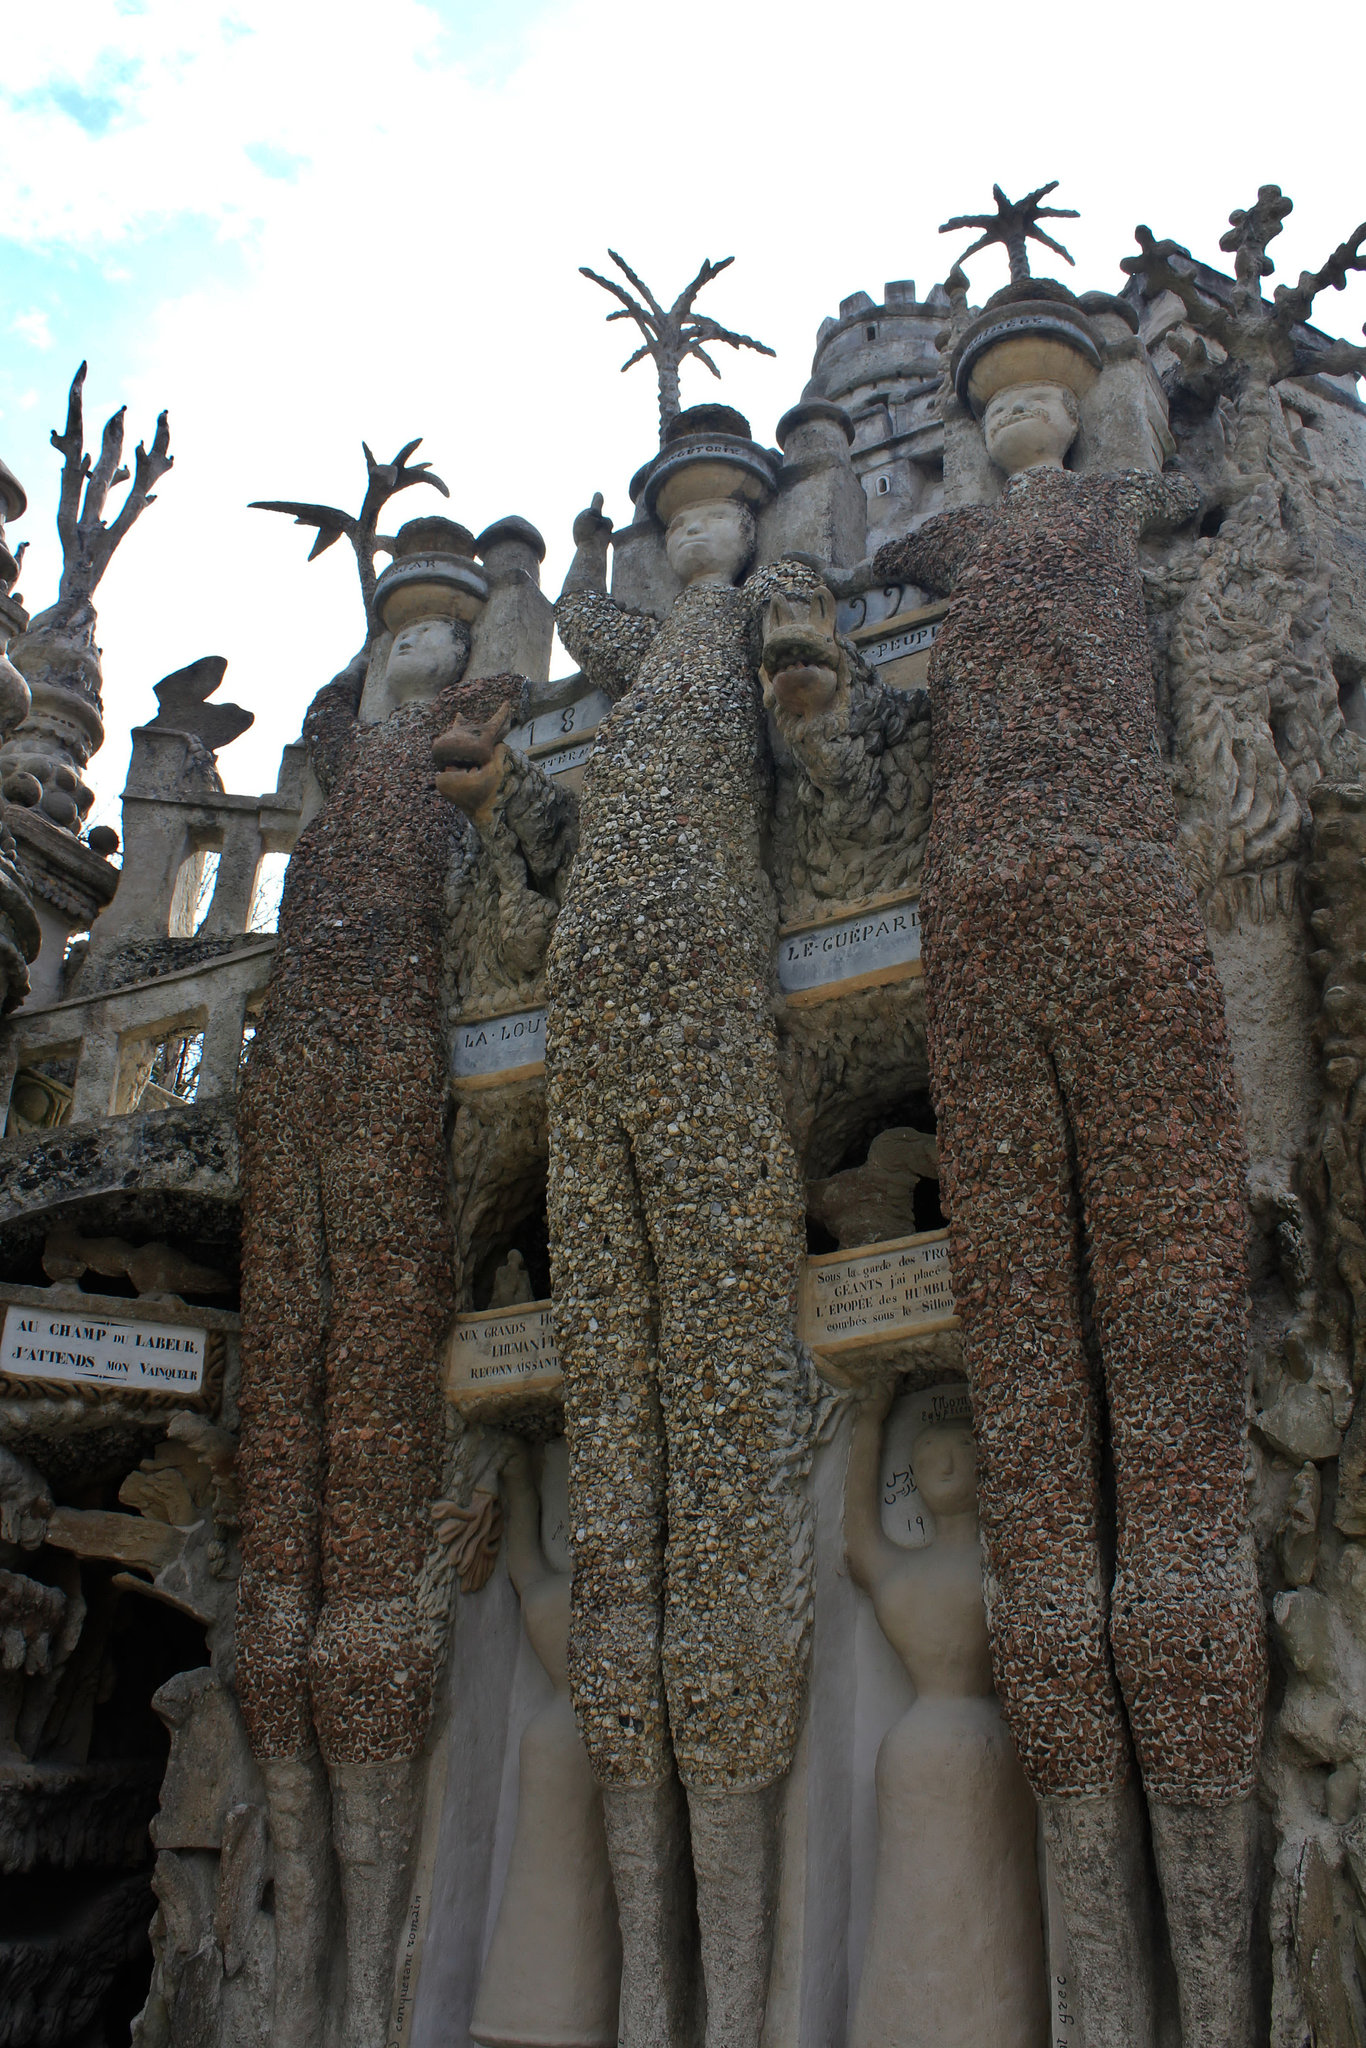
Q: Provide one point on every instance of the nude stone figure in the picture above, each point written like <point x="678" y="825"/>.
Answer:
<point x="955" y="1949"/>
<point x="553" y="1968"/>
<point x="1093" y="1175"/>
<point x="676" y="1219"/>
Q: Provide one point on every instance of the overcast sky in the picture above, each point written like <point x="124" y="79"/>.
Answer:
<point x="295" y="224"/>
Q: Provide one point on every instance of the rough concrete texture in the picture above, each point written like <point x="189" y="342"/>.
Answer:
<point x="1083" y="1085"/>
<point x="675" y="1206"/>
<point x="1096" y="1853"/>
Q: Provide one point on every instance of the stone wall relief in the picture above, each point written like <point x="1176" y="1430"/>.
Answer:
<point x="553" y="1968"/>
<point x="955" y="1944"/>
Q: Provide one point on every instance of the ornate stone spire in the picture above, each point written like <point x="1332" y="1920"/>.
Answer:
<point x="672" y="334"/>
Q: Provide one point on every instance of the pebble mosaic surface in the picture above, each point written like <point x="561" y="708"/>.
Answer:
<point x="347" y="1257"/>
<point x="677" y="1216"/>
<point x="1090" y="1148"/>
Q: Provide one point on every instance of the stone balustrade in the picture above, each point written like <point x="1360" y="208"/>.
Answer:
<point x="169" y="816"/>
<point x="109" y="1034"/>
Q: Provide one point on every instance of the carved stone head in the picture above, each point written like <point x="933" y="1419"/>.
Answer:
<point x="710" y="542"/>
<point x="427" y="656"/>
<point x="1022" y="366"/>
<point x="1031" y="426"/>
<point x="427" y="598"/>
<point x="944" y="1462"/>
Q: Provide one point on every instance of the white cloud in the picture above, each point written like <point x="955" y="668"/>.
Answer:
<point x="33" y="328"/>
<point x="405" y="236"/>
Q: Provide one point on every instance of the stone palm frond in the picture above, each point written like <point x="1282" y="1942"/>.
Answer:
<point x="671" y="334"/>
<point x="1014" y="224"/>
<point x="384" y="481"/>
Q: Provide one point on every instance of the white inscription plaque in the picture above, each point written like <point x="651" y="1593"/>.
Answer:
<point x="867" y="949"/>
<point x="560" y="726"/>
<point x="502" y="1350"/>
<point x="893" y="646"/>
<point x="62" y="1344"/>
<point x="488" y="1050"/>
<point x="892" y="1290"/>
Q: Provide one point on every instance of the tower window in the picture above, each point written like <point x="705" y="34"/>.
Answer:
<point x="884" y="485"/>
<point x="871" y="333"/>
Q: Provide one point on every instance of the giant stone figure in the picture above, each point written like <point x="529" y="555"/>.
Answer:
<point x="347" y="1288"/>
<point x="1093" y="1170"/>
<point x="676" y="1220"/>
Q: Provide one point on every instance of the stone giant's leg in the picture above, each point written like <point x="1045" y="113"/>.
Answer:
<point x="603" y="1285"/>
<point x="305" y="1889"/>
<point x="1206" y="1860"/>
<point x="1095" y="1845"/>
<point x="1005" y="1152"/>
<point x="734" y="1852"/>
<point x="647" y="1845"/>
<point x="1161" y="1166"/>
<point x="280" y="1466"/>
<point x="1005" y="1158"/>
<point x="374" y="1823"/>
<point x="726" y="1215"/>
<point x="373" y="1664"/>
<point x="375" y="1651"/>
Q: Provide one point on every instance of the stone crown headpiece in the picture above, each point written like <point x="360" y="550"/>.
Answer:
<point x="1033" y="332"/>
<point x="708" y="453"/>
<point x="433" y="575"/>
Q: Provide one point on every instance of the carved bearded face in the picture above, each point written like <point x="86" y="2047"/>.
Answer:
<point x="425" y="658"/>
<point x="710" y="543"/>
<point x="1028" y="426"/>
<point x="945" y="1465"/>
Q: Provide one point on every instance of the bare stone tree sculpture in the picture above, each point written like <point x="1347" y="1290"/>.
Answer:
<point x="386" y="480"/>
<point x="42" y="764"/>
<point x="1014" y="224"/>
<point x="87" y="543"/>
<point x="671" y="335"/>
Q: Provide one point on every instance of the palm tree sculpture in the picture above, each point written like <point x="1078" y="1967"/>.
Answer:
<point x="672" y="334"/>
<point x="386" y="479"/>
<point x="1014" y="223"/>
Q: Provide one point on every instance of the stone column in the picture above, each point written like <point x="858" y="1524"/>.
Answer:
<point x="820" y="508"/>
<point x="512" y="634"/>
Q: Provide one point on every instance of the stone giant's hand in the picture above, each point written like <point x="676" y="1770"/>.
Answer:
<point x="592" y="528"/>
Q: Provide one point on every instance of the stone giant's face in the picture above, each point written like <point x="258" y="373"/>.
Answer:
<point x="1028" y="425"/>
<point x="709" y="543"/>
<point x="945" y="1465"/>
<point x="426" y="657"/>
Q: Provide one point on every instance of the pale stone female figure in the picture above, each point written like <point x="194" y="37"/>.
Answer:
<point x="553" y="1970"/>
<point x="955" y="1950"/>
